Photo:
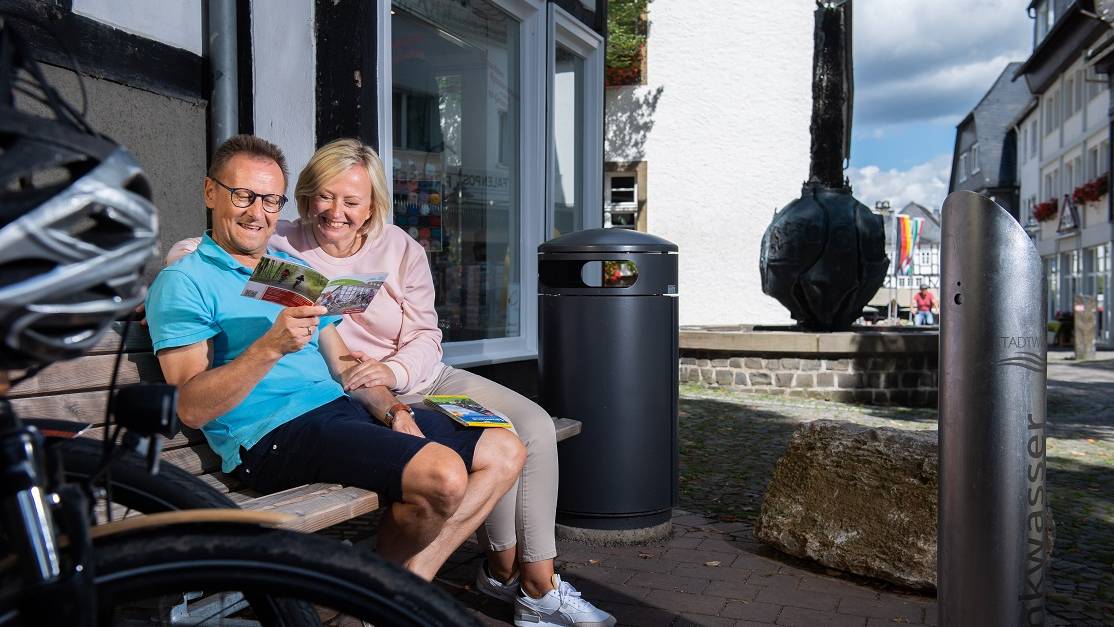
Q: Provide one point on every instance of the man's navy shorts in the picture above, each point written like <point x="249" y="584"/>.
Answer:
<point x="340" y="443"/>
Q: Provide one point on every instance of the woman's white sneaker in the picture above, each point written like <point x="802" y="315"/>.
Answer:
<point x="561" y="607"/>
<point x="494" y="588"/>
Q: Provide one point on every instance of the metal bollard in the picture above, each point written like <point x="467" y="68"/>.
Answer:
<point x="992" y="535"/>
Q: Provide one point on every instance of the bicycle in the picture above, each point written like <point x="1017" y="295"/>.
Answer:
<point x="213" y="566"/>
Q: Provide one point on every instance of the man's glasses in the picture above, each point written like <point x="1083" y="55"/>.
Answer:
<point x="243" y="198"/>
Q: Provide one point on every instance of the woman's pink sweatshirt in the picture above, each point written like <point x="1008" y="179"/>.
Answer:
<point x="400" y="327"/>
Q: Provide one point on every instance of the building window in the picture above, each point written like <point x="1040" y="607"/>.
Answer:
<point x="962" y="168"/>
<point x="1068" y="91"/>
<point x="1052" y="272"/>
<point x="1033" y="139"/>
<point x="1097" y="284"/>
<point x="1024" y="151"/>
<point x="455" y="158"/>
<point x="1095" y="84"/>
<point x="1078" y="95"/>
<point x="621" y="200"/>
<point x="575" y="128"/>
<point x="974" y="158"/>
<point x="1051" y="112"/>
<point x="1069" y="176"/>
<point x="1092" y="162"/>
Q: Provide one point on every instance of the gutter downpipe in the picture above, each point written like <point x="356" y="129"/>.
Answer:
<point x="220" y="30"/>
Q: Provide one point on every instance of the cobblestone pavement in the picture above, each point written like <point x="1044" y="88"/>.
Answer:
<point x="713" y="572"/>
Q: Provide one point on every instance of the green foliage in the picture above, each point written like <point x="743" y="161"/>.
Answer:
<point x="626" y="32"/>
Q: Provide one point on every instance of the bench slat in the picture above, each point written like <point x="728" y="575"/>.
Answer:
<point x="90" y="373"/>
<point x="80" y="406"/>
<point x="566" y="428"/>
<point x="317" y="505"/>
<point x="139" y="340"/>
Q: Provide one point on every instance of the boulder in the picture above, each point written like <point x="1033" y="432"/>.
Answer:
<point x="858" y="499"/>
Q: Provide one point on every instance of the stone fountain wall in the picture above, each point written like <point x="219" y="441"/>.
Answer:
<point x="898" y="367"/>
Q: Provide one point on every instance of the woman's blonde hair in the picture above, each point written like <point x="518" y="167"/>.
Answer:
<point x="334" y="159"/>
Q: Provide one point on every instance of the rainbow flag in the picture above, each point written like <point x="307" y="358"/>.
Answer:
<point x="908" y="235"/>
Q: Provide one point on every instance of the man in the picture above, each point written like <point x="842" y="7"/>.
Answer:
<point x="924" y="307"/>
<point x="262" y="383"/>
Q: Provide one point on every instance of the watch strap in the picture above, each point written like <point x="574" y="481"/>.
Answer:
<point x="389" y="416"/>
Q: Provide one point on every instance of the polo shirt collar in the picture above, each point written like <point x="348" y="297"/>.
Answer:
<point x="219" y="256"/>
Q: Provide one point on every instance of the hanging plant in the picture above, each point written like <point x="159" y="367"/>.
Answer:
<point x="1091" y="191"/>
<point x="1045" y="211"/>
<point x="626" y="41"/>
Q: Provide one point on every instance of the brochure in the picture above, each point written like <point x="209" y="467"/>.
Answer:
<point x="292" y="284"/>
<point x="466" y="411"/>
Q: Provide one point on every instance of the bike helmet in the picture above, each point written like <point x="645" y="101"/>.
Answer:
<point x="77" y="225"/>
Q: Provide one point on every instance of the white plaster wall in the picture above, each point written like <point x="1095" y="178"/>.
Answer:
<point x="284" y="79"/>
<point x="174" y="22"/>
<point x="729" y="142"/>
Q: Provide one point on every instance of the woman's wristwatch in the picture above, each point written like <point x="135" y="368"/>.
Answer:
<point x="389" y="416"/>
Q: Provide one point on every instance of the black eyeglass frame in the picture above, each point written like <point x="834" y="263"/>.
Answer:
<point x="282" y="200"/>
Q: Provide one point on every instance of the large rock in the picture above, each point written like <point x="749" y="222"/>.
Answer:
<point x="858" y="499"/>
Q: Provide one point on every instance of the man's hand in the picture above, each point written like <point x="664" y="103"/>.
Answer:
<point x="292" y="330"/>
<point x="404" y="423"/>
<point x="367" y="373"/>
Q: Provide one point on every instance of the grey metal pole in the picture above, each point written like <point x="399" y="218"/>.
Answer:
<point x="223" y="102"/>
<point x="992" y="537"/>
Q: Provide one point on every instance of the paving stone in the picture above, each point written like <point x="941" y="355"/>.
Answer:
<point x="801" y="617"/>
<point x="669" y="581"/>
<point x="888" y="608"/>
<point x="930" y="615"/>
<point x="700" y="556"/>
<point x="754" y="363"/>
<point x="686" y="542"/>
<point x="681" y="602"/>
<point x="599" y="574"/>
<point x="760" y="378"/>
<point x="696" y="620"/>
<point x="641" y="615"/>
<point x="825" y="380"/>
<point x="810" y="365"/>
<point x="835" y="586"/>
<point x="720" y="363"/>
<point x="756" y="564"/>
<point x="736" y="362"/>
<point x="724" y="376"/>
<point x="790" y="363"/>
<point x="771" y="580"/>
<point x="741" y="378"/>
<point x="889" y="622"/>
<point x="732" y="590"/>
<point x="751" y="610"/>
<point x="783" y="379"/>
<point x="803" y="380"/>
<point x="713" y="573"/>
<point x="652" y="565"/>
<point x="798" y="598"/>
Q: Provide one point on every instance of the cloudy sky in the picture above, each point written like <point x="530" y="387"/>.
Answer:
<point x="920" y="67"/>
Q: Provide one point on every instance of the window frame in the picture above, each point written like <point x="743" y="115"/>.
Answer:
<point x="531" y="15"/>
<point x="565" y="30"/>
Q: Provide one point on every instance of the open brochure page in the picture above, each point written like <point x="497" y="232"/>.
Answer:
<point x="292" y="284"/>
<point x="466" y="411"/>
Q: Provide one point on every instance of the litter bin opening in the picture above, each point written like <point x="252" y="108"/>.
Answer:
<point x="566" y="274"/>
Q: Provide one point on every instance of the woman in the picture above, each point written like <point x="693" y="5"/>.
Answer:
<point x="343" y="206"/>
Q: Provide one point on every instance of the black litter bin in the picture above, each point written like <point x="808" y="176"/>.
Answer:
<point x="607" y="356"/>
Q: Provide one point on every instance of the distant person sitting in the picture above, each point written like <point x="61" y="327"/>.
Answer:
<point x="924" y="307"/>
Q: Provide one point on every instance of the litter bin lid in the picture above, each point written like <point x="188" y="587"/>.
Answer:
<point x="607" y="240"/>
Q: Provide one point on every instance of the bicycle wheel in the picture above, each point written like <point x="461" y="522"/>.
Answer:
<point x="133" y="488"/>
<point x="191" y="575"/>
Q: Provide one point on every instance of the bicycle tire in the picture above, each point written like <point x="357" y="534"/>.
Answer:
<point x="269" y="564"/>
<point x="133" y="487"/>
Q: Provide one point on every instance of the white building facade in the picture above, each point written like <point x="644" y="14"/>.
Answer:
<point x="714" y="141"/>
<point x="1063" y="158"/>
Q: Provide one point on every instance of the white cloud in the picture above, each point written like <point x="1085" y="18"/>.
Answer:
<point x="925" y="184"/>
<point x="931" y="60"/>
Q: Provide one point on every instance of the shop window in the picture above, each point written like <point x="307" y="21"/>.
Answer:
<point x="455" y="159"/>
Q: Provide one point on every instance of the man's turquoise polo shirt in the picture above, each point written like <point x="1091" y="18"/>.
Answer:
<point x="197" y="299"/>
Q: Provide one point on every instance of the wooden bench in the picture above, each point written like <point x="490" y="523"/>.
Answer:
<point x="77" y="390"/>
